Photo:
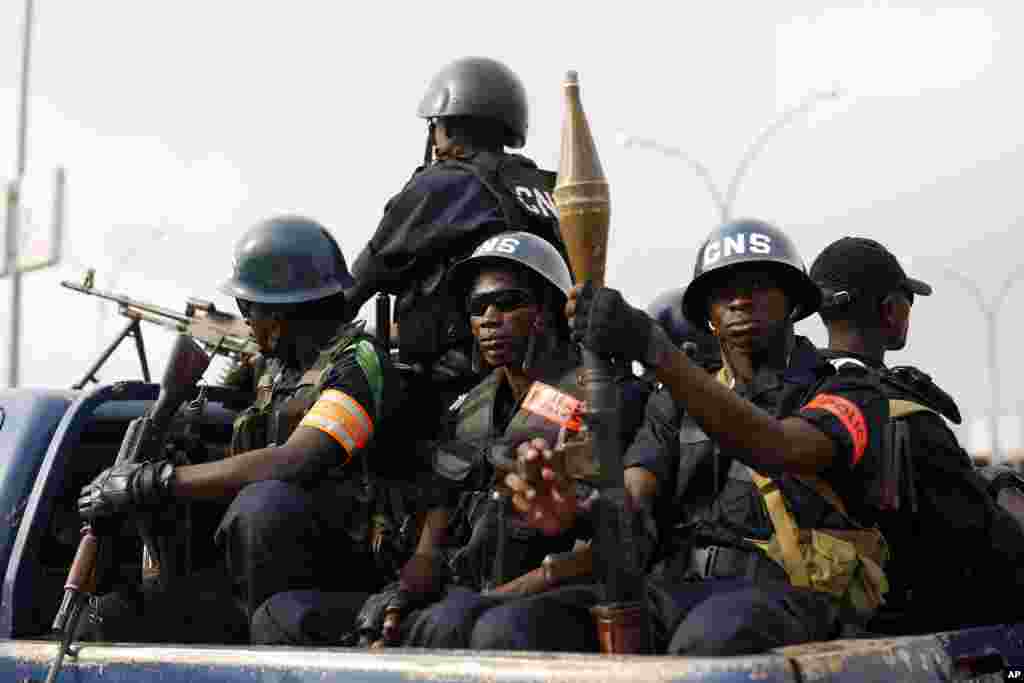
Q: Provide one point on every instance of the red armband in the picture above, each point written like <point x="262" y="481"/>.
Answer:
<point x="849" y="415"/>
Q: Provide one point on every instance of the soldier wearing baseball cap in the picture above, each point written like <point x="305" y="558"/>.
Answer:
<point x="856" y="276"/>
<point x="936" y="501"/>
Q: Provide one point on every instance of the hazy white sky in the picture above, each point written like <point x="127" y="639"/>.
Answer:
<point x="183" y="123"/>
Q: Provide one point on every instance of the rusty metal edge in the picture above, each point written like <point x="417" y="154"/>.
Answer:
<point x="400" y="664"/>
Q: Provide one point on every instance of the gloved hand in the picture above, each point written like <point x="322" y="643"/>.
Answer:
<point x="602" y="321"/>
<point x="125" y="488"/>
<point x="421" y="580"/>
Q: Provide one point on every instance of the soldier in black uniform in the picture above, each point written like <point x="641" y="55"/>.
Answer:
<point x="321" y="421"/>
<point x="775" y="449"/>
<point x="514" y="286"/>
<point x="943" y="504"/>
<point x="468" y="189"/>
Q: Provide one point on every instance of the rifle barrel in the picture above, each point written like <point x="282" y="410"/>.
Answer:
<point x="210" y="326"/>
<point x="127" y="301"/>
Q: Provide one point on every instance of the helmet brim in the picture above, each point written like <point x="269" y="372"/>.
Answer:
<point x="799" y="288"/>
<point x="239" y="290"/>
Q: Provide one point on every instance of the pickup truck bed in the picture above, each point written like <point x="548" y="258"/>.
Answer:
<point x="50" y="440"/>
<point x="965" y="655"/>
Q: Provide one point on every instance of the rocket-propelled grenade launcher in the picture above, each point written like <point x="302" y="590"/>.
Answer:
<point x="584" y="211"/>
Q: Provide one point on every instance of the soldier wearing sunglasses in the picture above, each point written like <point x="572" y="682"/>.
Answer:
<point x="513" y="290"/>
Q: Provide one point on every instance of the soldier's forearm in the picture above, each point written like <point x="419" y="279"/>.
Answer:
<point x="435" y="531"/>
<point x="223" y="478"/>
<point x="756" y="437"/>
<point x="306" y="454"/>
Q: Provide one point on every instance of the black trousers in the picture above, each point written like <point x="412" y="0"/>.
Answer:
<point x="713" y="617"/>
<point x="278" y="537"/>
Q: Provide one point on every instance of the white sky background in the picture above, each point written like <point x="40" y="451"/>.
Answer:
<point x="183" y="123"/>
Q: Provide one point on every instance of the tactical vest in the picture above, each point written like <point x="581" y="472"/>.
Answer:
<point x="524" y="192"/>
<point x="429" y="319"/>
<point x="284" y="396"/>
<point x="745" y="509"/>
<point x="957" y="548"/>
<point x="488" y="558"/>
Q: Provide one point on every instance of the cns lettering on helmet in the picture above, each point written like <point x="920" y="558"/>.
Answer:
<point x="741" y="243"/>
<point x="536" y="201"/>
<point x="502" y="245"/>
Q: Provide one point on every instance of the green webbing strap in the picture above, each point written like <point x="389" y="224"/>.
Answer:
<point x="368" y="361"/>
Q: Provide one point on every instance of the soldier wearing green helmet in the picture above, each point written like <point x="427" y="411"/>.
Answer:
<point x="304" y="453"/>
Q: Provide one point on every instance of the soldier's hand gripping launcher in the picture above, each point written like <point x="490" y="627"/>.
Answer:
<point x="146" y="436"/>
<point x="584" y="210"/>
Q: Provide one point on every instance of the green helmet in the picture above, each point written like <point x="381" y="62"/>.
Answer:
<point x="287" y="260"/>
<point x="480" y="87"/>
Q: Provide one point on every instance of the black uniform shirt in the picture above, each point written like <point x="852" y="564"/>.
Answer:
<point x="438" y="217"/>
<point x="345" y="409"/>
<point x="850" y="408"/>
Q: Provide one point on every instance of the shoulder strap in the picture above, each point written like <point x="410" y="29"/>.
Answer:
<point x="785" y="529"/>
<point x="899" y="407"/>
<point x="369" y="362"/>
<point x="485" y="168"/>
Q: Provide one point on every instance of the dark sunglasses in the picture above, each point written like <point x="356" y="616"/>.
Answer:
<point x="505" y="300"/>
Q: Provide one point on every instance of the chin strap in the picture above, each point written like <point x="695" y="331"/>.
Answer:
<point x="428" y="153"/>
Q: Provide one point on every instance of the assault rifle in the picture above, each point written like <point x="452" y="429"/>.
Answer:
<point x="216" y="330"/>
<point x="146" y="437"/>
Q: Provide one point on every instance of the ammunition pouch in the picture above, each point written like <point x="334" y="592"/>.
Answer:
<point x="250" y="430"/>
<point x="846" y="563"/>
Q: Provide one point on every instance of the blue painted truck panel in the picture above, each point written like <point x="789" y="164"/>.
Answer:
<point x="28" y="421"/>
<point x="38" y="434"/>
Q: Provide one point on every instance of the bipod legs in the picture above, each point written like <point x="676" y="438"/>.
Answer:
<point x="132" y="329"/>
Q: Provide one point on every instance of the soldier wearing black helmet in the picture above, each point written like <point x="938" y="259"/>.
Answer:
<point x="512" y="289"/>
<point x="299" y="453"/>
<point x="467" y="189"/>
<point x="776" y="454"/>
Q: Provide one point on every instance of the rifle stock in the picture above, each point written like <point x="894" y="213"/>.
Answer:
<point x="201" y="320"/>
<point x="555" y="570"/>
<point x="145" y="435"/>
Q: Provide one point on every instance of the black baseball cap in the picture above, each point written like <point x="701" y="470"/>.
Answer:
<point x="857" y="265"/>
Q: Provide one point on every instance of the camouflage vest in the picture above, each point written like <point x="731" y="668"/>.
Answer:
<point x="495" y="545"/>
<point x="284" y="395"/>
<point x="540" y="414"/>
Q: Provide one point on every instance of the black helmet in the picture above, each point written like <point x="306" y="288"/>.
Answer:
<point x="524" y="248"/>
<point x="744" y="242"/>
<point x="667" y="309"/>
<point x="482" y="87"/>
<point x="287" y="260"/>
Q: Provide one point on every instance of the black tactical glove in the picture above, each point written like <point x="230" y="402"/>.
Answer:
<point x="379" y="621"/>
<point x="606" y="324"/>
<point x="126" y="487"/>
